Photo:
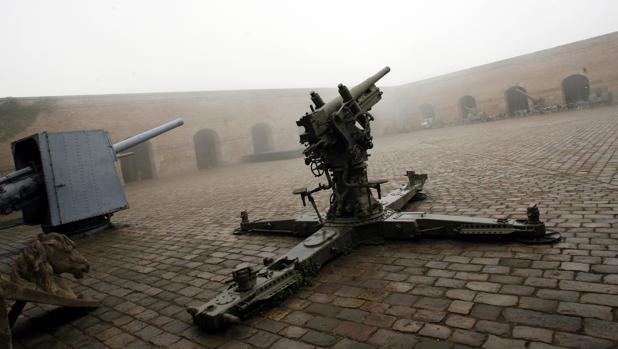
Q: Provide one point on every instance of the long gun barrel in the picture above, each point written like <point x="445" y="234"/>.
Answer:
<point x="355" y="91"/>
<point x="144" y="136"/>
<point x="19" y="188"/>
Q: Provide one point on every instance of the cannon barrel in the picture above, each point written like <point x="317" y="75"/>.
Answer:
<point x="15" y="174"/>
<point x="355" y="91"/>
<point x="18" y="188"/>
<point x="144" y="136"/>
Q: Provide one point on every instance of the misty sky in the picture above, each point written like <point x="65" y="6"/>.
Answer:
<point x="102" y="46"/>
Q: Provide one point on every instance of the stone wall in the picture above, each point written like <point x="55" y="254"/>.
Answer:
<point x="540" y="73"/>
<point x="232" y="114"/>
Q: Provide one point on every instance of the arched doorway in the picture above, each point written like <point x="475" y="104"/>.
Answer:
<point x="467" y="105"/>
<point x="262" y="137"/>
<point x="206" y="142"/>
<point x="138" y="166"/>
<point x="516" y="100"/>
<point x="576" y="88"/>
<point x="427" y="115"/>
<point x="427" y="111"/>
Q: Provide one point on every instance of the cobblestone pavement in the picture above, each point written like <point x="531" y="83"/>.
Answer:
<point x="174" y="248"/>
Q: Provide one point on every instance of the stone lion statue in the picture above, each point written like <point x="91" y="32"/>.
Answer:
<point x="39" y="265"/>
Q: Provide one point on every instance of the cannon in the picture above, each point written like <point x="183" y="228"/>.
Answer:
<point x="66" y="181"/>
<point x="337" y="137"/>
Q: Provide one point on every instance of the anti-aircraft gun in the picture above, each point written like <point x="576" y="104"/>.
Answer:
<point x="66" y="181"/>
<point x="337" y="137"/>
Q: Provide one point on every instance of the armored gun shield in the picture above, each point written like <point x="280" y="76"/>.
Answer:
<point x="78" y="175"/>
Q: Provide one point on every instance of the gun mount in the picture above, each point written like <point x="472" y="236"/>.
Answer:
<point x="66" y="181"/>
<point x="337" y="137"/>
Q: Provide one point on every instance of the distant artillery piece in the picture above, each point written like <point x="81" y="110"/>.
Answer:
<point x="474" y="114"/>
<point x="600" y="96"/>
<point x="67" y="181"/>
<point x="538" y="104"/>
<point x="427" y="121"/>
<point x="35" y="277"/>
<point x="337" y="137"/>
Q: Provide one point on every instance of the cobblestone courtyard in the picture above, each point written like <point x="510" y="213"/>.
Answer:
<point x="174" y="247"/>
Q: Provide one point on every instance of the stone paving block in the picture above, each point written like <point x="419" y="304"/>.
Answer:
<point x="517" y="290"/>
<point x="460" y="307"/>
<point x="602" y="299"/>
<point x="534" y="318"/>
<point x="297" y="318"/>
<point x="485" y="312"/>
<point x="401" y="299"/>
<point x="355" y="331"/>
<point x="533" y="334"/>
<point x="585" y="310"/>
<point x="350" y="344"/>
<point x="464" y="295"/>
<point x="435" y="331"/>
<point x="460" y="321"/>
<point x="406" y="325"/>
<point x="497" y="328"/>
<point x="285" y="343"/>
<point x="601" y="328"/>
<point x="496" y="299"/>
<point x="494" y="342"/>
<point x="541" y="282"/>
<point x="319" y="338"/>
<point x="483" y="286"/>
<point x="588" y="287"/>
<point x="323" y="309"/>
<point x="539" y="345"/>
<point x="578" y="341"/>
<point x="437" y="304"/>
<point x="322" y="323"/>
<point x="575" y="266"/>
<point x="263" y="339"/>
<point x="379" y="320"/>
<point x="355" y="315"/>
<point x="545" y="305"/>
<point x="470" y="338"/>
<point x="569" y="296"/>
<point x="428" y="315"/>
<point x="429" y="291"/>
<point x="271" y="325"/>
<point x="431" y="343"/>
<point x="293" y="332"/>
<point x="392" y="340"/>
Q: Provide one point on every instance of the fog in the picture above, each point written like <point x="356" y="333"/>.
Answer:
<point x="101" y="47"/>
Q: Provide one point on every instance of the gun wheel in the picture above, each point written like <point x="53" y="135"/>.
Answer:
<point x="316" y="169"/>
